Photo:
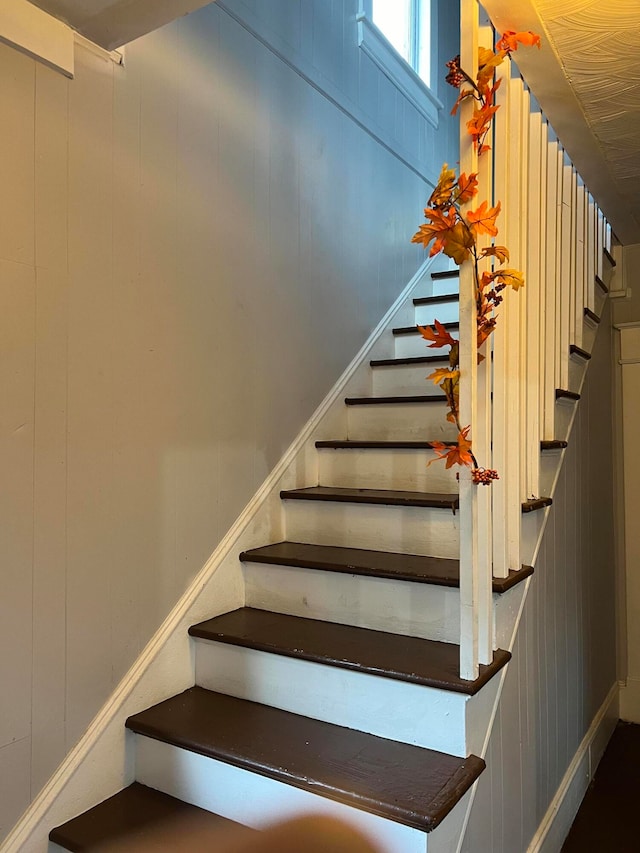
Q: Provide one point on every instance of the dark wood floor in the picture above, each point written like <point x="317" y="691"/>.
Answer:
<point x="607" y="821"/>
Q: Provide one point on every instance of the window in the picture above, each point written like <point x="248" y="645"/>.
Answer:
<point x="405" y="24"/>
<point x="395" y="35"/>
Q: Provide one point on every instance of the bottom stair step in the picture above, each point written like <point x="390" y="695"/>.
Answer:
<point x="409" y="785"/>
<point x="136" y="814"/>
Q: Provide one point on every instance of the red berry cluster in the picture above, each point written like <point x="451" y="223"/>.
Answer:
<point x="484" y="476"/>
<point x="455" y="77"/>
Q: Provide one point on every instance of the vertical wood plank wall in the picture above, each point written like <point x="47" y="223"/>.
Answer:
<point x="563" y="662"/>
<point x="192" y="249"/>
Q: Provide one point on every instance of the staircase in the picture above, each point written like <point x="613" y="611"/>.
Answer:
<point x="336" y="688"/>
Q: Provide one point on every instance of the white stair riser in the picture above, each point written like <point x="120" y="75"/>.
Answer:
<point x="395" y="606"/>
<point x="408" y="530"/>
<point x="550" y="461"/>
<point x="577" y="370"/>
<point x="445" y="312"/>
<point x="405" y="379"/>
<point x="377" y="468"/>
<point x="386" y="707"/>
<point x="252" y="799"/>
<point x="401" y="421"/>
<point x="444" y="286"/>
<point x="564" y="414"/>
<point x="589" y="332"/>
<point x="410" y="346"/>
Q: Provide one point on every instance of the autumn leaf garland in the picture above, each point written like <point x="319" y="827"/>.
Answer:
<point x="456" y="235"/>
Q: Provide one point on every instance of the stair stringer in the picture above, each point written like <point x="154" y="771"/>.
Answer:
<point x="509" y="608"/>
<point x="102" y="762"/>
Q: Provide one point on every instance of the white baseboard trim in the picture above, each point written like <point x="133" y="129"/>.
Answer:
<point x="630" y="700"/>
<point x="100" y="765"/>
<point x="563" y="808"/>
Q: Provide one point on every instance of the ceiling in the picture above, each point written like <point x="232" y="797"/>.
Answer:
<point x="587" y="80"/>
<point x="112" y="23"/>
<point x="586" y="77"/>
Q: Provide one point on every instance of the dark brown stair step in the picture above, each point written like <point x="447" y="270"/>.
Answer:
<point x="413" y="330"/>
<point x="136" y="814"/>
<point x="351" y="444"/>
<point x="407" y="784"/>
<point x="535" y="504"/>
<point x="445" y="274"/>
<point x="402" y="658"/>
<point x="437" y="300"/>
<point x="438" y="571"/>
<point x="607" y="255"/>
<point x="574" y="349"/>
<point x="553" y="444"/>
<point x="565" y="394"/>
<point x="388" y="497"/>
<point x="413" y="360"/>
<point x="381" y="401"/>
<point x="591" y="315"/>
<point x="603" y="287"/>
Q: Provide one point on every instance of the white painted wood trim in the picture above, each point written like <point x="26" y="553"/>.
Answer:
<point x="630" y="700"/>
<point x="39" y="35"/>
<point x="470" y="604"/>
<point x="395" y="69"/>
<point x="116" y="56"/>
<point x="559" y="816"/>
<point x="97" y="767"/>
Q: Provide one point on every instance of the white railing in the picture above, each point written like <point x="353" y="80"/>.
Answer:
<point x="556" y="235"/>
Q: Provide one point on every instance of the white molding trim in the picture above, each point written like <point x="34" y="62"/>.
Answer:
<point x="98" y="765"/>
<point x="37" y="34"/>
<point x="633" y="324"/>
<point x="395" y="69"/>
<point x="116" y="56"/>
<point x="563" y="808"/>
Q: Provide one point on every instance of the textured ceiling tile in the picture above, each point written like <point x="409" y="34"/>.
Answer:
<point x="599" y="47"/>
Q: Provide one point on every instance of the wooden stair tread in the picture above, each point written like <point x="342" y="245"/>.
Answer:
<point x="553" y="444"/>
<point x="591" y="315"/>
<point x="353" y="444"/>
<point x="388" y="497"/>
<point x="438" y="571"/>
<point x="411" y="360"/>
<point x="136" y="813"/>
<point x="565" y="394"/>
<point x="603" y="287"/>
<point x="413" y="330"/>
<point x="574" y="349"/>
<point x="412" y="398"/>
<point x="407" y="784"/>
<point x="445" y="274"/>
<point x="534" y="504"/>
<point x="402" y="658"/>
<point x="437" y="300"/>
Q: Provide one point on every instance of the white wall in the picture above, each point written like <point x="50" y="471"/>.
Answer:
<point x="564" y="658"/>
<point x="192" y="248"/>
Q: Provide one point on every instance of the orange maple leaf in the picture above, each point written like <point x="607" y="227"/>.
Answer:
<point x="457" y="243"/>
<point x="510" y="40"/>
<point x="459" y="454"/>
<point x="499" y="252"/>
<point x="464" y="94"/>
<point x="444" y="188"/>
<point x="483" y="220"/>
<point x="512" y="278"/>
<point x="479" y="124"/>
<point x="439" y="338"/>
<point x="440" y="224"/>
<point x="442" y="373"/>
<point x="488" y="61"/>
<point x="467" y="187"/>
